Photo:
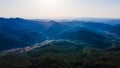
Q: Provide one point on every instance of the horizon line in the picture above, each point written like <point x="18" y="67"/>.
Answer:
<point x="65" y="17"/>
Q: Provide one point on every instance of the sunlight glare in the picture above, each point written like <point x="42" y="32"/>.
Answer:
<point x="51" y="3"/>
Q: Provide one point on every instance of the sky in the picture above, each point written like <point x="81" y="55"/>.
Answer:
<point x="60" y="8"/>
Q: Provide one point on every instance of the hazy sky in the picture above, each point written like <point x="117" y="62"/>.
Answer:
<point x="59" y="8"/>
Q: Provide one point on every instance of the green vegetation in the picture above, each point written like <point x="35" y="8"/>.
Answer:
<point x="63" y="54"/>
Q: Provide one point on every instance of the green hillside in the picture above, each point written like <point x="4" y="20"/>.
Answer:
<point x="57" y="54"/>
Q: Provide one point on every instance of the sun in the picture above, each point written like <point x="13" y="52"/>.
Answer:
<point x="51" y="3"/>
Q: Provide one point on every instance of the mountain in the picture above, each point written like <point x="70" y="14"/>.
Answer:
<point x="56" y="46"/>
<point x="59" y="44"/>
<point x="115" y="29"/>
<point x="88" y="36"/>
<point x="110" y="21"/>
<point x="26" y="39"/>
<point x="95" y="26"/>
<point x="27" y="32"/>
<point x="30" y="32"/>
<point x="99" y="27"/>
<point x="19" y="23"/>
<point x="7" y="42"/>
<point x="55" y="29"/>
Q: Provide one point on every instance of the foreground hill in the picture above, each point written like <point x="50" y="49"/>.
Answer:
<point x="62" y="54"/>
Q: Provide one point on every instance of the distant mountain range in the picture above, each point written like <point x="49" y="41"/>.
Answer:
<point x="18" y="32"/>
<point x="77" y="43"/>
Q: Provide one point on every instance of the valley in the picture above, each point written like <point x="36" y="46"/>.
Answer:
<point x="59" y="44"/>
